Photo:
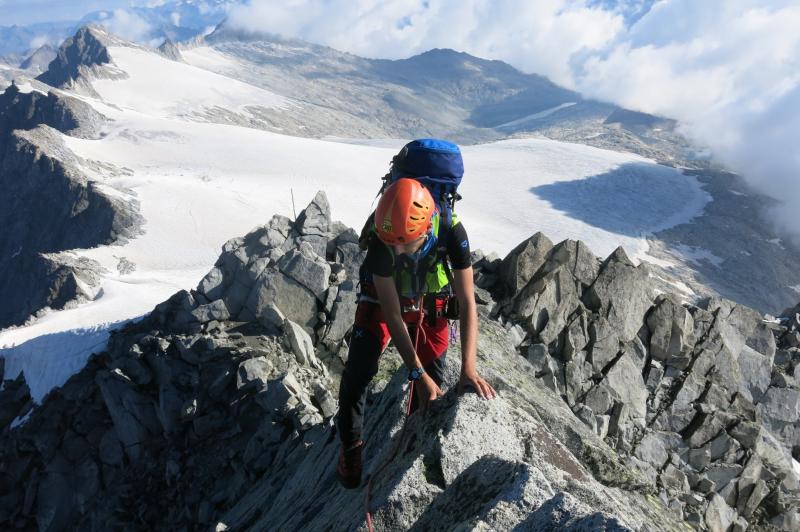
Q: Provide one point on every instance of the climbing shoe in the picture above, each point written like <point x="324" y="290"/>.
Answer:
<point x="349" y="466"/>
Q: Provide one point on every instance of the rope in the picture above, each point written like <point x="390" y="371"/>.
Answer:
<point x="396" y="448"/>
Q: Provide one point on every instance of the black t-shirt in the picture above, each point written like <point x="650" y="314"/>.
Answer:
<point x="380" y="260"/>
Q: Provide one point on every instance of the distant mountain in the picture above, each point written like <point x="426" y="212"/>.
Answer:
<point x="38" y="60"/>
<point x="174" y="20"/>
<point x="439" y="92"/>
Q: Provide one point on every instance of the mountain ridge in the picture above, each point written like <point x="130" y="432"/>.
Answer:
<point x="196" y="417"/>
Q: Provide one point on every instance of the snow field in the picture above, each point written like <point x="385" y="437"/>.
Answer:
<point x="200" y="184"/>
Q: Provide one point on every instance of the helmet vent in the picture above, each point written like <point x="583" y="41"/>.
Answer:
<point x="418" y="205"/>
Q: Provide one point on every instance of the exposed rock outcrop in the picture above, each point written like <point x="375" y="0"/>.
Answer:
<point x="618" y="409"/>
<point x="51" y="206"/>
<point x="84" y="53"/>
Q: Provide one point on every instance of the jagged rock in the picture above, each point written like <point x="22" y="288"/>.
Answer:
<point x="325" y="400"/>
<point x="719" y="516"/>
<point x="271" y="317"/>
<point x="651" y="449"/>
<point x="519" y="266"/>
<point x="674" y="480"/>
<point x="624" y="380"/>
<point x="294" y="300"/>
<point x="600" y="399"/>
<point x="300" y="343"/>
<point x="544" y="305"/>
<point x="722" y="474"/>
<point x="620" y="293"/>
<point x="253" y="373"/>
<point x="170" y="51"/>
<point x="110" y="449"/>
<point x="605" y="346"/>
<point x="781" y="404"/>
<point x="216" y="310"/>
<point x="671" y="328"/>
<point x="134" y="415"/>
<point x="307" y="268"/>
<point x="344" y="309"/>
<point x="316" y="218"/>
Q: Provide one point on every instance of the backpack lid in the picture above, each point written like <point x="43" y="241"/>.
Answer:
<point x="437" y="159"/>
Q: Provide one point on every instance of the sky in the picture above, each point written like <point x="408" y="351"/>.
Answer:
<point x="728" y="70"/>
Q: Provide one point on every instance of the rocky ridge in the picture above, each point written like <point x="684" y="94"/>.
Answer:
<point x="618" y="409"/>
<point x="53" y="207"/>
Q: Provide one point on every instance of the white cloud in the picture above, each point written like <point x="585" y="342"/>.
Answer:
<point x="727" y="69"/>
<point x="128" y="25"/>
<point x="516" y="31"/>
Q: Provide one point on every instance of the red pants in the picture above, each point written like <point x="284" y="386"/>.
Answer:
<point x="433" y="334"/>
<point x="369" y="339"/>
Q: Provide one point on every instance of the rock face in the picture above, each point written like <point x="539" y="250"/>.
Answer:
<point x="78" y="54"/>
<point x="51" y="206"/>
<point x="216" y="411"/>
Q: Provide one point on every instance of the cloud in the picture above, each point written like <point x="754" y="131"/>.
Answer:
<point x="128" y="25"/>
<point x="729" y="70"/>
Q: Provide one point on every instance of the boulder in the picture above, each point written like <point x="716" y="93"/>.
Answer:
<point x="294" y="300"/>
<point x="316" y="218"/>
<point x="621" y="294"/>
<point x="522" y="262"/>
<point x="253" y="374"/>
<point x="671" y="328"/>
<point x="298" y="340"/>
<point x="307" y="268"/>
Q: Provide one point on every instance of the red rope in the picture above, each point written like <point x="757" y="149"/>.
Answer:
<point x="391" y="456"/>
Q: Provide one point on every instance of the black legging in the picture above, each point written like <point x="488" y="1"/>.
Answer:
<point x="360" y="368"/>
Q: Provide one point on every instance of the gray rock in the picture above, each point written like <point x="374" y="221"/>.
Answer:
<point x="316" y="218"/>
<point x="522" y="262"/>
<point x="722" y="474"/>
<point x="134" y="415"/>
<point x="544" y="305"/>
<point x="674" y="480"/>
<point x="624" y="380"/>
<point x="600" y="399"/>
<point x="253" y="374"/>
<point x="781" y="404"/>
<point x="605" y="345"/>
<point x="212" y="285"/>
<point x="746" y="433"/>
<point x="651" y="449"/>
<point x="294" y="300"/>
<point x="699" y="458"/>
<point x="671" y="328"/>
<point x="719" y="516"/>
<point x="538" y="356"/>
<point x="307" y="268"/>
<point x="343" y="314"/>
<point x="585" y="414"/>
<point x="603" y="422"/>
<point x="621" y="294"/>
<point x="271" y="317"/>
<point x="300" y="343"/>
<point x="216" y="310"/>
<point x="325" y="400"/>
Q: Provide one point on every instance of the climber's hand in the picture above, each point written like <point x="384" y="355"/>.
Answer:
<point x="428" y="391"/>
<point x="476" y="382"/>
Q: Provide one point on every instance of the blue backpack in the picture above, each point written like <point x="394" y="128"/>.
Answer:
<point x="438" y="165"/>
<point x="435" y="163"/>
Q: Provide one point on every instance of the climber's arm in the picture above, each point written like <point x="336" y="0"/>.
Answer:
<point x="468" y="321"/>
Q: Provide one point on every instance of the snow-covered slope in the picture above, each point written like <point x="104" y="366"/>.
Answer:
<point x="200" y="182"/>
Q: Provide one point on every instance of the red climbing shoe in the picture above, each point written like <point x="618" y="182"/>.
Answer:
<point x="349" y="467"/>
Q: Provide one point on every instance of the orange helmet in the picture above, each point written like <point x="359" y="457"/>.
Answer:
<point x="404" y="212"/>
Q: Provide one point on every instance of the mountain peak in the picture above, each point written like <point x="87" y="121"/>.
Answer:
<point x="86" y="49"/>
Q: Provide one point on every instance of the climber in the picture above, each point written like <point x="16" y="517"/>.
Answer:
<point x="417" y="256"/>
